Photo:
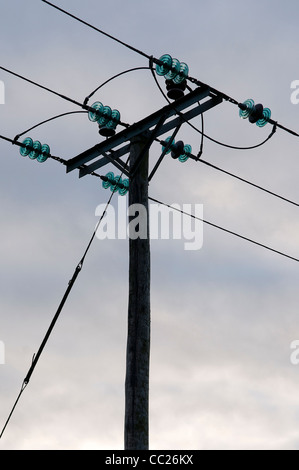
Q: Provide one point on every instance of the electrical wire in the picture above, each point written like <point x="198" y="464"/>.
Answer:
<point x="112" y="78"/>
<point x="80" y="264"/>
<point x="85" y="101"/>
<point x="179" y="113"/>
<point x="226" y="230"/>
<point x="202" y="137"/>
<point x="89" y="109"/>
<point x="82" y="105"/>
<point x="42" y="87"/>
<point x="234" y="147"/>
<point x="193" y="157"/>
<point x="20" y="144"/>
<point x="48" y="120"/>
<point x="61" y="160"/>
<point x="204" y="162"/>
<point x="248" y="182"/>
<point x="158" y="62"/>
<point x="138" y="51"/>
<point x="97" y="29"/>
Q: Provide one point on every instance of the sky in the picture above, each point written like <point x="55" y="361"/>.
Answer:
<point x="222" y="317"/>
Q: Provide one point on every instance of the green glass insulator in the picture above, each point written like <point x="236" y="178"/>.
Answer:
<point x="168" y="139"/>
<point x="187" y="151"/>
<point x="24" y="151"/>
<point x="114" y="187"/>
<point x="36" y="151"/>
<point x="267" y="115"/>
<point x="167" y="63"/>
<point x="107" y="184"/>
<point x="98" y="107"/>
<point x="45" y="153"/>
<point x="175" y="69"/>
<point x="183" y="73"/>
<point x="105" y="117"/>
<point x="123" y="191"/>
<point x="115" y="119"/>
<point x="250" y="107"/>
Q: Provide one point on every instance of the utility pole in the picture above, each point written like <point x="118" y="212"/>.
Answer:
<point x="138" y="341"/>
<point x="140" y="136"/>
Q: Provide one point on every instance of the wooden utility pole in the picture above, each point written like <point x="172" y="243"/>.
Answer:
<point x="138" y="342"/>
<point x="109" y="151"/>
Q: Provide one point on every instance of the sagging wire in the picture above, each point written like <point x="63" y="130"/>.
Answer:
<point x="202" y="131"/>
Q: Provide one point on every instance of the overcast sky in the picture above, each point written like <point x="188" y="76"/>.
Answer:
<point x="223" y="317"/>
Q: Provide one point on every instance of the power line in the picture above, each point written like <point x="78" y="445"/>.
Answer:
<point x="43" y="87"/>
<point x="234" y="147"/>
<point x="202" y="132"/>
<point x="59" y="159"/>
<point x="97" y="29"/>
<point x="248" y="182"/>
<point x="272" y="193"/>
<point x="48" y="120"/>
<point x="20" y="144"/>
<point x="225" y="230"/>
<point x="112" y="78"/>
<point x="80" y="265"/>
<point x="138" y="51"/>
<point x="85" y="101"/>
<point x="158" y="62"/>
<point x="82" y="105"/>
<point x="193" y="157"/>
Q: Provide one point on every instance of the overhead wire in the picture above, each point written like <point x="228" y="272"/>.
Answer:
<point x="71" y="100"/>
<point x="248" y="182"/>
<point x="80" y="264"/>
<point x="32" y="82"/>
<point x="225" y="230"/>
<point x="48" y="120"/>
<point x="201" y="131"/>
<point x="224" y="145"/>
<point x="202" y="136"/>
<point x="215" y="167"/>
<point x="84" y="105"/>
<point x="134" y="49"/>
<point x="193" y="157"/>
<point x="112" y="78"/>
<point x="158" y="62"/>
<point x="20" y="144"/>
<point x="14" y="141"/>
<point x="151" y="59"/>
<point x="78" y="269"/>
